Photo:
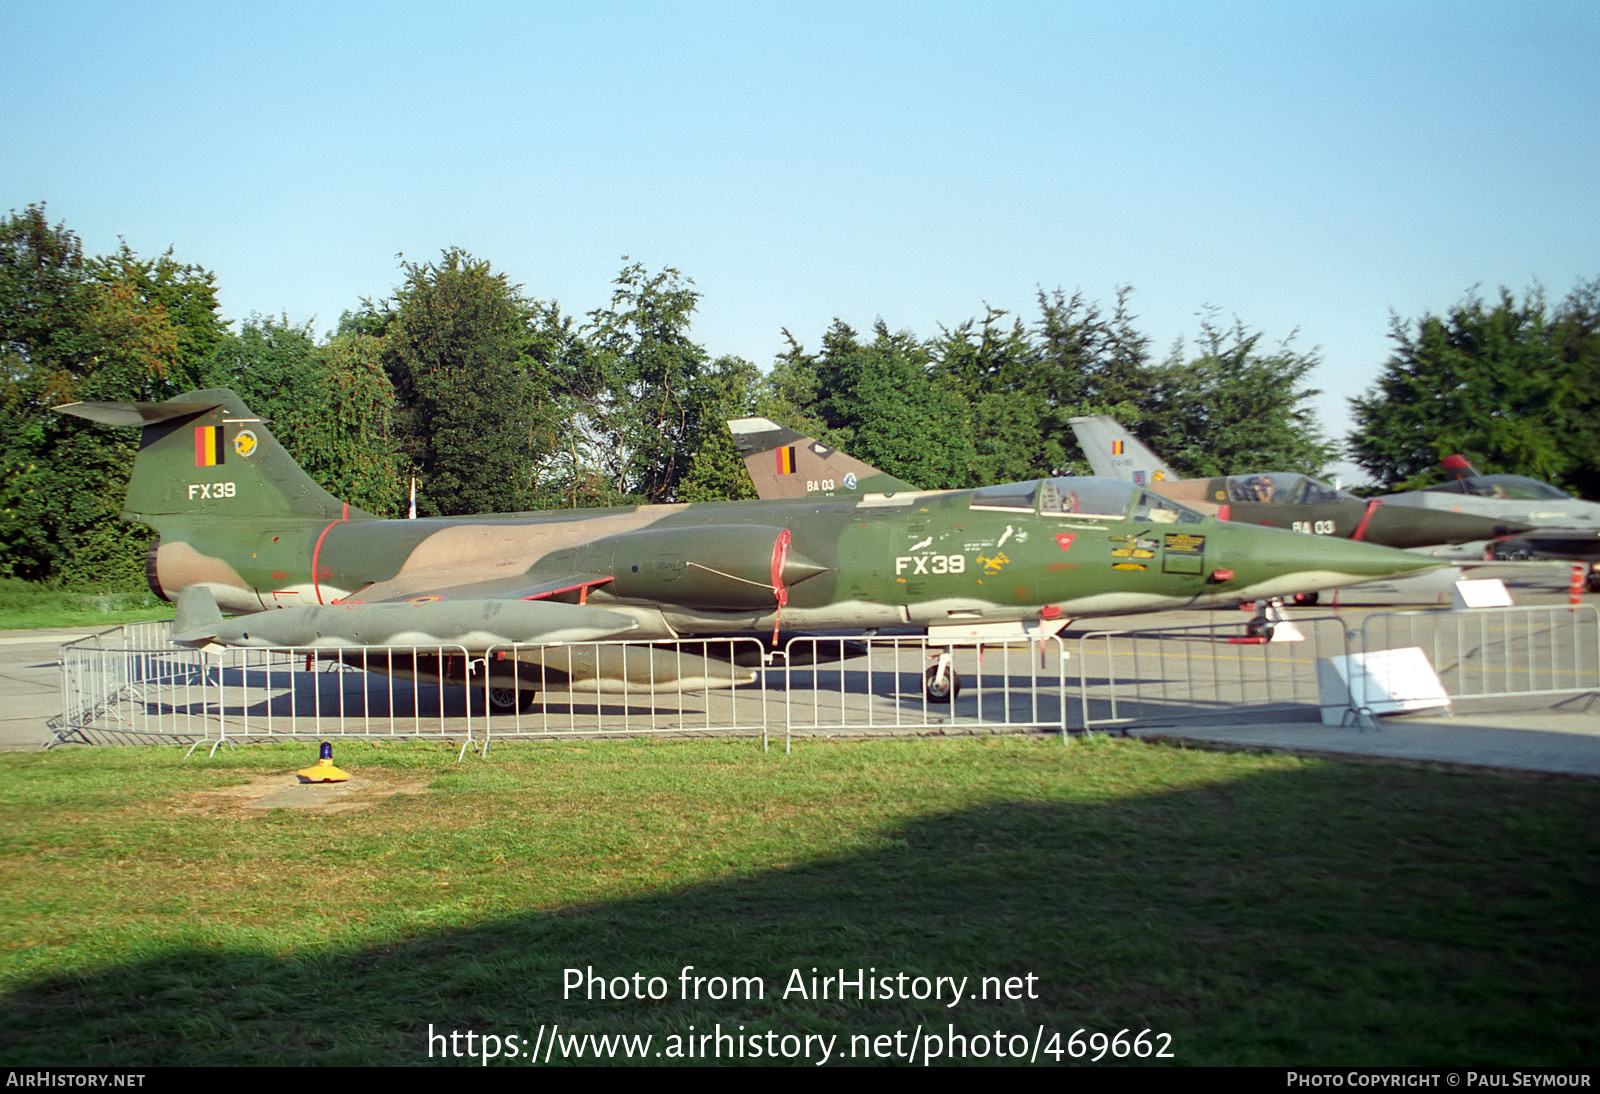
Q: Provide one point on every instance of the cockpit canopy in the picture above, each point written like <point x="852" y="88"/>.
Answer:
<point x="1282" y="487"/>
<point x="1106" y="499"/>
<point x="1519" y="487"/>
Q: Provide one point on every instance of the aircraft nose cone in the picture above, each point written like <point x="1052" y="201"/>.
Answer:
<point x="1406" y="526"/>
<point x="1272" y="562"/>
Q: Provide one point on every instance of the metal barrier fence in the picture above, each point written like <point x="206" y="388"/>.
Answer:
<point x="914" y="683"/>
<point x="625" y="688"/>
<point x="132" y="684"/>
<point x="1162" y="674"/>
<point x="1491" y="653"/>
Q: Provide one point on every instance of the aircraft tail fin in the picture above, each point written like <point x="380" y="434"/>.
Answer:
<point x="1457" y="467"/>
<point x="1115" y="453"/>
<point x="205" y="454"/>
<point x="785" y="464"/>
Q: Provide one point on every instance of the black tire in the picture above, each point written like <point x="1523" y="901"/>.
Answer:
<point x="1259" y="628"/>
<point x="1305" y="600"/>
<point x="1592" y="582"/>
<point x="508" y="700"/>
<point x="937" y="694"/>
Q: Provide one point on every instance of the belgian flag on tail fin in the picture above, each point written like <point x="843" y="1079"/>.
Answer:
<point x="786" y="460"/>
<point x="207" y="445"/>
<point x="192" y="431"/>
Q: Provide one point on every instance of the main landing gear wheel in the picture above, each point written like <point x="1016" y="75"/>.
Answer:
<point x="1259" y="628"/>
<point x="1269" y="613"/>
<point x="1592" y="582"/>
<point x="941" y="689"/>
<point x="508" y="700"/>
<point x="1305" y="600"/>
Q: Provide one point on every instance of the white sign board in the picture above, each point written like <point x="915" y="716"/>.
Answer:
<point x="1378" y="682"/>
<point x="1482" y="593"/>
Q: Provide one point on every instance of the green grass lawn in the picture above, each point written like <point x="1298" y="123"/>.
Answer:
<point x="24" y="605"/>
<point x="1260" y="909"/>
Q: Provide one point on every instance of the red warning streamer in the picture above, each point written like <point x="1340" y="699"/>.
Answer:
<point x="1366" y="518"/>
<point x="780" y="553"/>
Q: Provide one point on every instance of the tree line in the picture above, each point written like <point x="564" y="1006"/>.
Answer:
<point x="496" y="401"/>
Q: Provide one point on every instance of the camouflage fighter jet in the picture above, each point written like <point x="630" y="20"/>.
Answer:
<point x="244" y="529"/>
<point x="1282" y="499"/>
<point x="1559" y="526"/>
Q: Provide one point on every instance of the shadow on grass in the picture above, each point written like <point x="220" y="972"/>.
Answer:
<point x="1324" y="915"/>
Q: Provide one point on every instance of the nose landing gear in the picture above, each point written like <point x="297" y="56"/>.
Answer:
<point x="940" y="683"/>
<point x="1264" y="624"/>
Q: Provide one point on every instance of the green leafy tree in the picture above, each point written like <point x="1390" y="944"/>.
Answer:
<point x="1508" y="383"/>
<point x="649" y="405"/>
<point x="72" y="328"/>
<point x="1002" y="380"/>
<point x="1235" y="406"/>
<point x="187" y="294"/>
<point x="1023" y="384"/>
<point x="271" y="365"/>
<point x="328" y="405"/>
<point x="1091" y="360"/>
<point x="881" y="404"/>
<point x="731" y="388"/>
<point x="455" y="345"/>
<point x="566" y="389"/>
<point x="1575" y="332"/>
<point x="990" y="400"/>
<point x="788" y="395"/>
<point x="349" y="446"/>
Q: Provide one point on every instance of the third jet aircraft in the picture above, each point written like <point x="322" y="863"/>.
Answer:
<point x="1290" y="500"/>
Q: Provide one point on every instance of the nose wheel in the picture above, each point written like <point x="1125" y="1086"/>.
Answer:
<point x="1269" y="613"/>
<point x="940" y="683"/>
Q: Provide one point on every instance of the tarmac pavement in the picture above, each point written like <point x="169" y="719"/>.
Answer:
<point x="30" y="684"/>
<point x="1560" y="739"/>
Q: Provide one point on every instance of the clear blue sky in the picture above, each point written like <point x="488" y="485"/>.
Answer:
<point x="1299" y="165"/>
